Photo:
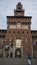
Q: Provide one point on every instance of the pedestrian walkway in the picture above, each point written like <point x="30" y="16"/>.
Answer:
<point x="16" y="61"/>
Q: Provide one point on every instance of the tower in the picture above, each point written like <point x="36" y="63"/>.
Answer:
<point x="18" y="35"/>
<point x="19" y="11"/>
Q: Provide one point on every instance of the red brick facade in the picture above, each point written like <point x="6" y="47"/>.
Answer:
<point x="19" y="29"/>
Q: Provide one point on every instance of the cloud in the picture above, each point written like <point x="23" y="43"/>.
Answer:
<point x="7" y="9"/>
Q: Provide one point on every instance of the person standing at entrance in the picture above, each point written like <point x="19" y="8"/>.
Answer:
<point x="29" y="60"/>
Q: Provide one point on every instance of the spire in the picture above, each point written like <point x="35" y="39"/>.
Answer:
<point x="19" y="11"/>
<point x="19" y="4"/>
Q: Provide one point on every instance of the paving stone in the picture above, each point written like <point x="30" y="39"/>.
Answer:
<point x="16" y="61"/>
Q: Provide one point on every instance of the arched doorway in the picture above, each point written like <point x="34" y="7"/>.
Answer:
<point x="18" y="53"/>
<point x="11" y="55"/>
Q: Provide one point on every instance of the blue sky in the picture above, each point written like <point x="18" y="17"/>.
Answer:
<point x="7" y="9"/>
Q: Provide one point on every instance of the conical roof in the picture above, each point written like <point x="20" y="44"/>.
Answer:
<point x="19" y="4"/>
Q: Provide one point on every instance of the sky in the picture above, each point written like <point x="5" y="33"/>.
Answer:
<point x="7" y="9"/>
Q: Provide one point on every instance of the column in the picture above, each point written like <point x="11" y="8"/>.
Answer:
<point x="22" y="51"/>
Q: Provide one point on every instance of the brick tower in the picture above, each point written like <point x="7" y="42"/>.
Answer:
<point x="18" y="40"/>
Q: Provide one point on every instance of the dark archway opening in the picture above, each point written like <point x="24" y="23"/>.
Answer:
<point x="11" y="55"/>
<point x="18" y="53"/>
